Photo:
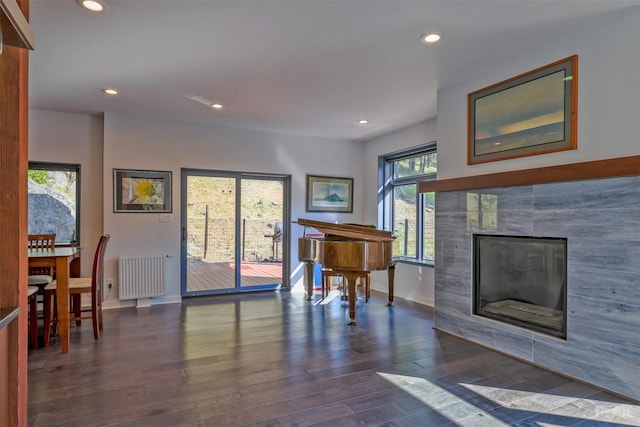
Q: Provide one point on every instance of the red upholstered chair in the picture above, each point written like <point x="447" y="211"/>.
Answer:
<point x="78" y="286"/>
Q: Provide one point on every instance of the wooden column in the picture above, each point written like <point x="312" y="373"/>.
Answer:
<point x="13" y="231"/>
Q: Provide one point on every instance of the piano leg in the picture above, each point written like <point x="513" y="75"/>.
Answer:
<point x="352" y="279"/>
<point x="308" y="278"/>
<point x="391" y="272"/>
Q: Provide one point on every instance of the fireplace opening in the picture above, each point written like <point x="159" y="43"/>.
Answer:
<point x="522" y="281"/>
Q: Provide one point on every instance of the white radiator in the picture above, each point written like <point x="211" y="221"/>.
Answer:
<point x="141" y="276"/>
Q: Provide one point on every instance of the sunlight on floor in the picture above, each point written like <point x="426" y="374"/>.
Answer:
<point x="438" y="398"/>
<point x="513" y="403"/>
<point x="297" y="287"/>
<point x="297" y="290"/>
<point x="330" y="297"/>
<point x="559" y="402"/>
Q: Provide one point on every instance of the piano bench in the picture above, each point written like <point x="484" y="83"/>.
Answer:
<point x="327" y="274"/>
<point x="366" y="276"/>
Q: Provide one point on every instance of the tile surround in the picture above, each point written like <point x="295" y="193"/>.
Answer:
<point x="601" y="219"/>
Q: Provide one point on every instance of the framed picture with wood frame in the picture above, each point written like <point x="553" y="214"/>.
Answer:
<point x="329" y="194"/>
<point x="141" y="191"/>
<point x="533" y="113"/>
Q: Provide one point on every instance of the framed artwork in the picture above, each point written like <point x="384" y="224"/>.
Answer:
<point x="329" y="194"/>
<point x="141" y="191"/>
<point x="530" y="114"/>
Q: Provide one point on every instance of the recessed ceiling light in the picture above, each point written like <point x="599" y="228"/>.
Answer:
<point x="111" y="91"/>
<point x="363" y="122"/>
<point x="202" y="100"/>
<point x="92" y="5"/>
<point x="429" y="38"/>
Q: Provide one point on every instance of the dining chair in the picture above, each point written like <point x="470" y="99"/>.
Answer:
<point x="41" y="241"/>
<point x="41" y="276"/>
<point x="38" y="277"/>
<point x="77" y="287"/>
<point x="32" y="295"/>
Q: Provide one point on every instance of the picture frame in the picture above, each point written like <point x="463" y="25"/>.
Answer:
<point x="530" y="114"/>
<point x="329" y="194"/>
<point x="141" y="191"/>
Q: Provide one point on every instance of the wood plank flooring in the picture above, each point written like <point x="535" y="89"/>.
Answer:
<point x="274" y="359"/>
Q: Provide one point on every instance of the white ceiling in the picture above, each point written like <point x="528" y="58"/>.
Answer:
<point x="306" y="67"/>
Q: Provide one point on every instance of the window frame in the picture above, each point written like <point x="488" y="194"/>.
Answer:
<point x="64" y="167"/>
<point x="386" y="185"/>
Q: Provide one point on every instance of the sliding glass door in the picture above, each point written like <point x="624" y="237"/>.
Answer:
<point x="233" y="228"/>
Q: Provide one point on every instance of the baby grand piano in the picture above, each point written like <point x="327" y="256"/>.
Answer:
<point x="350" y="250"/>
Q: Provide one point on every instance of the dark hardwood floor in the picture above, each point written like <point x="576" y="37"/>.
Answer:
<point x="274" y="359"/>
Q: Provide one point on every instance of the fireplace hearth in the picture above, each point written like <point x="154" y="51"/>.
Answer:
<point x="522" y="281"/>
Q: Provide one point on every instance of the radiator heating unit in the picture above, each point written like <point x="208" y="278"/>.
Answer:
<point x="141" y="276"/>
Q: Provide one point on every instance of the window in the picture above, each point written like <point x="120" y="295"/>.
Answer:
<point x="409" y="214"/>
<point x="54" y="200"/>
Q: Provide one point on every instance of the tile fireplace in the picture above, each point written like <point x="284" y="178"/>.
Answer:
<point x="599" y="219"/>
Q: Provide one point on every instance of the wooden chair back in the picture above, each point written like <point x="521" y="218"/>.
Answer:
<point x="42" y="241"/>
<point x="96" y="272"/>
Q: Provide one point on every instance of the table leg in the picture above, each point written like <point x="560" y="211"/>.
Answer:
<point x="62" y="296"/>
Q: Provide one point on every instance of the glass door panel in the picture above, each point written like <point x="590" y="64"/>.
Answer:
<point x="210" y="233"/>
<point x="262" y="213"/>
<point x="232" y="232"/>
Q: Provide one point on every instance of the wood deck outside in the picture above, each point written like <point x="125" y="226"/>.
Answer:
<point x="206" y="276"/>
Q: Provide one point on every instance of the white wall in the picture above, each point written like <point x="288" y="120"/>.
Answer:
<point x="76" y="139"/>
<point x="608" y="52"/>
<point x="412" y="282"/>
<point x="143" y="143"/>
<point x="609" y="63"/>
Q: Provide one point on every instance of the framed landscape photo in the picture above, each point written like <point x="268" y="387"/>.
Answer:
<point x="329" y="194"/>
<point x="530" y="114"/>
<point x="141" y="191"/>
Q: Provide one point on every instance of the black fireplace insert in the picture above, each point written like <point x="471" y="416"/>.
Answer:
<point x="522" y="280"/>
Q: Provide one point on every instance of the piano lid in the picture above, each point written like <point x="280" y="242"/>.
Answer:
<point x="350" y="231"/>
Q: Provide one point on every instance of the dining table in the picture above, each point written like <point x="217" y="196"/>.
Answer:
<point x="66" y="260"/>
